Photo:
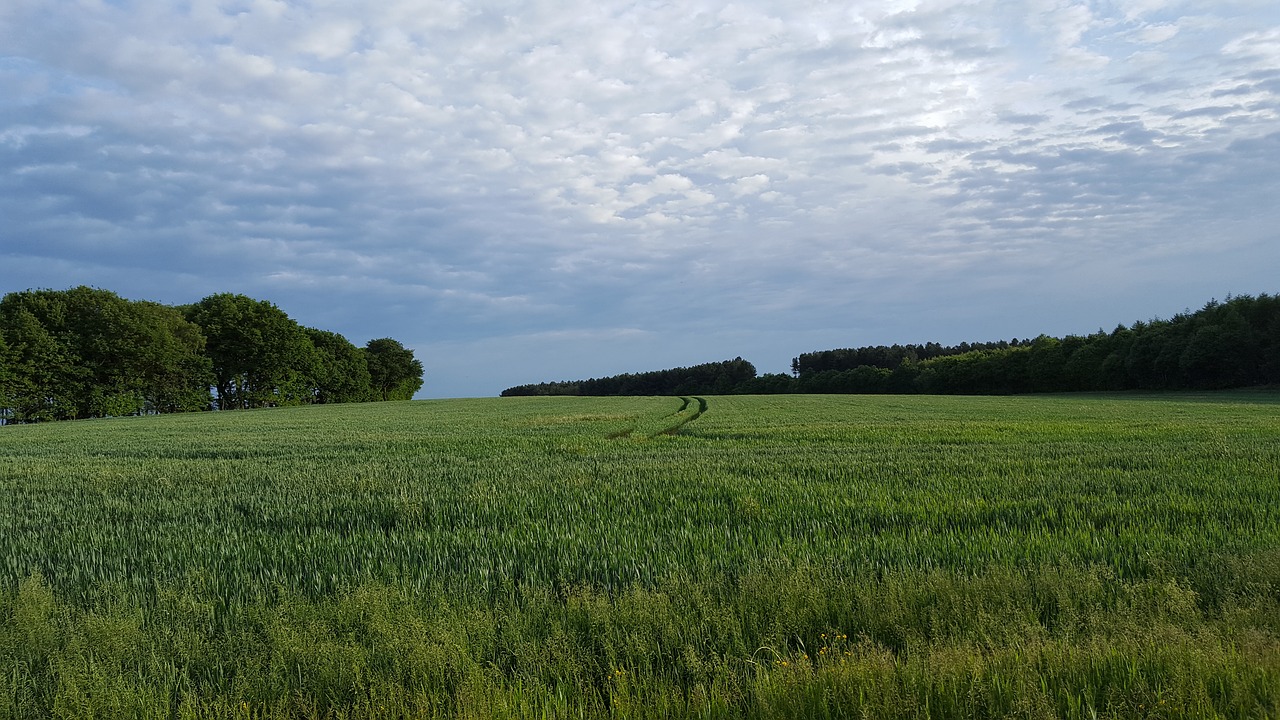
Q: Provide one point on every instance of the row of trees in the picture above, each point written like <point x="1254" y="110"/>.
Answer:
<point x="86" y="352"/>
<point x="720" y="378"/>
<point x="887" y="357"/>
<point x="1228" y="344"/>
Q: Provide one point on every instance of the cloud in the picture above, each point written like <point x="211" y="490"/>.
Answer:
<point x="484" y="174"/>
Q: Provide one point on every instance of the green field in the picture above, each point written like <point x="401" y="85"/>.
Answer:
<point x="782" y="556"/>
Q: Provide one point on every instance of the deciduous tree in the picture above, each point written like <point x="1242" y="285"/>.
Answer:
<point x="394" y="373"/>
<point x="87" y="352"/>
<point x="261" y="357"/>
<point x="341" y="370"/>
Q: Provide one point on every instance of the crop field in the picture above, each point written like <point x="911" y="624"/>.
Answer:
<point x="1071" y="556"/>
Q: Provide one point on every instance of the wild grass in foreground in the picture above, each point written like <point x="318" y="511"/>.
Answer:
<point x="1073" y="556"/>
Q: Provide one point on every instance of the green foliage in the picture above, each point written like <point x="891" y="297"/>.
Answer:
<point x="884" y="357"/>
<point x="43" y="377"/>
<point x="720" y="378"/>
<point x="170" y="360"/>
<point x="341" y="373"/>
<point x="1223" y="345"/>
<point x="769" y="557"/>
<point x="85" y="352"/>
<point x="394" y="373"/>
<point x="891" y="647"/>
<point x="260" y="356"/>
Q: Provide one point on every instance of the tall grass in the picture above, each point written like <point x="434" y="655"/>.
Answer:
<point x="1072" y="556"/>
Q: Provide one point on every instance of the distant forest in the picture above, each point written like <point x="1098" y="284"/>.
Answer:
<point x="1229" y="344"/>
<point x="88" y="353"/>
<point x="722" y="378"/>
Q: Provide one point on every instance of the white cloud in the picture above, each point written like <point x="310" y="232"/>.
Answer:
<point x="521" y="161"/>
<point x="1261" y="47"/>
<point x="1156" y="34"/>
<point x="752" y="185"/>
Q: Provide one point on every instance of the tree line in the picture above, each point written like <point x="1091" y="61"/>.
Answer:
<point x="886" y="357"/>
<point x="1223" y="345"/>
<point x="1229" y="344"/>
<point x="88" y="353"/>
<point x="720" y="378"/>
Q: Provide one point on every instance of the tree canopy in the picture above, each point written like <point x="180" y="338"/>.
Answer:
<point x="393" y="371"/>
<point x="261" y="357"/>
<point x="87" y="352"/>
<point x="706" y="379"/>
<point x="340" y="373"/>
<point x="1223" y="345"/>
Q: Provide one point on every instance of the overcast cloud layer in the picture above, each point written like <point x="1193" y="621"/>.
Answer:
<point x="552" y="190"/>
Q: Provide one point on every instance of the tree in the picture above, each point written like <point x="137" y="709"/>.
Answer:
<point x="394" y="373"/>
<point x="87" y="352"/>
<point x="341" y="372"/>
<point x="1222" y="352"/>
<point x="260" y="356"/>
<point x="171" y="363"/>
<point x="768" y="384"/>
<point x="1270" y="335"/>
<point x="1046" y="366"/>
<point x="42" y="378"/>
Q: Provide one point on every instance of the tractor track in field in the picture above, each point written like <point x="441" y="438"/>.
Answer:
<point x="685" y="418"/>
<point x="682" y="416"/>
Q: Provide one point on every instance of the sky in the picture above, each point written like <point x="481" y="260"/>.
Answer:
<point x="552" y="190"/>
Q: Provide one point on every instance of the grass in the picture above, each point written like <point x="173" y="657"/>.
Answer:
<point x="781" y="556"/>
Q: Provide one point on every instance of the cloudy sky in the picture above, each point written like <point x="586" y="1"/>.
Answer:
<point x="551" y="190"/>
